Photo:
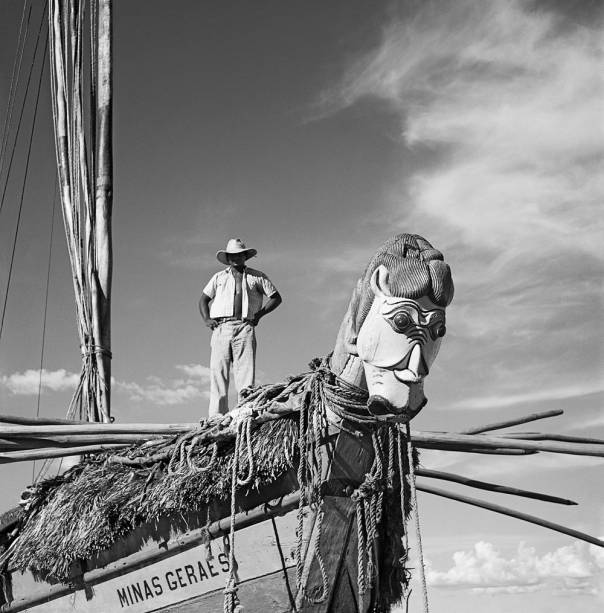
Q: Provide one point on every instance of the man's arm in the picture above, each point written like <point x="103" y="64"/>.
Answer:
<point x="271" y="304"/>
<point x="204" y="309"/>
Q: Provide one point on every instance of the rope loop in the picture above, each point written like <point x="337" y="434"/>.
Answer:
<point x="91" y="349"/>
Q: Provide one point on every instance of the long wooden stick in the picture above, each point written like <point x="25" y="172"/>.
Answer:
<point x="37" y="421"/>
<point x="513" y="422"/>
<point x="101" y="282"/>
<point x="43" y="454"/>
<point x="95" y="428"/>
<point x="454" y="440"/>
<point x="512" y="513"/>
<point x="74" y="440"/>
<point x="473" y="449"/>
<point x="539" y="436"/>
<point x="491" y="487"/>
<point x="420" y="439"/>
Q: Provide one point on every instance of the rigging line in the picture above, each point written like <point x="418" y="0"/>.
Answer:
<point x="52" y="227"/>
<point x="31" y="69"/>
<point x="31" y="137"/>
<point x="16" y="70"/>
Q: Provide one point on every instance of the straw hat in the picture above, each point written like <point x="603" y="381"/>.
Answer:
<point x="234" y="246"/>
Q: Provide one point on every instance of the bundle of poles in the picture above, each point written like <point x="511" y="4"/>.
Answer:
<point x="26" y="439"/>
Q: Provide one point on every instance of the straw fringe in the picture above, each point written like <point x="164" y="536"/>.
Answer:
<point x="88" y="508"/>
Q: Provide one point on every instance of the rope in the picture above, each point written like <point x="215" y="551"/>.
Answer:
<point x="302" y="450"/>
<point x="319" y="558"/>
<point x="18" y="130"/>
<point x="211" y="462"/>
<point x="31" y="135"/>
<point x="369" y="503"/>
<point x="230" y="590"/>
<point x="245" y="426"/>
<point x="14" y="80"/>
<point x="403" y="503"/>
<point x="52" y="227"/>
<point x="420" y="550"/>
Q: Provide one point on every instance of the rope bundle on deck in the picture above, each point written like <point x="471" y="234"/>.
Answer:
<point x="208" y="472"/>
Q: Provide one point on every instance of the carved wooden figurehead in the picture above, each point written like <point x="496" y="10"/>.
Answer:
<point x="394" y="325"/>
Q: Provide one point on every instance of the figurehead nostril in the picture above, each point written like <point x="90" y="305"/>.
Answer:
<point x="378" y="405"/>
<point x="417" y="364"/>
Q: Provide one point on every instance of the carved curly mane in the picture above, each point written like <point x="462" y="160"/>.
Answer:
<point x="415" y="269"/>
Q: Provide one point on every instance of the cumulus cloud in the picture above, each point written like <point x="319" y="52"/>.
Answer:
<point x="500" y="107"/>
<point x="193" y="384"/>
<point x="28" y="382"/>
<point x="576" y="568"/>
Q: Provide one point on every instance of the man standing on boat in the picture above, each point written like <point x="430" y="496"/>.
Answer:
<point x="236" y="294"/>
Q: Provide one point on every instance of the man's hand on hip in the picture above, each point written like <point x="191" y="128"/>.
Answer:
<point x="256" y="318"/>
<point x="211" y="323"/>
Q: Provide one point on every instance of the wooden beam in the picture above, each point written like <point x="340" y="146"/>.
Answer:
<point x="491" y="487"/>
<point x="74" y="440"/>
<point x="43" y="454"/>
<point x="472" y="449"/>
<point x="37" y="421"/>
<point x="539" y="436"/>
<point x="152" y="429"/>
<point x="513" y="422"/>
<point x="511" y="513"/>
<point x="493" y="442"/>
<point x="101" y="281"/>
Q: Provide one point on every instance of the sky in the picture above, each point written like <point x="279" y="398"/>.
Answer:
<point x="314" y="131"/>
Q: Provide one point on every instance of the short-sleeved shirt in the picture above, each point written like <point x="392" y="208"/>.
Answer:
<point x="221" y="289"/>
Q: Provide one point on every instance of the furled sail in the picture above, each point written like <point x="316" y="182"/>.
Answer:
<point x="82" y="118"/>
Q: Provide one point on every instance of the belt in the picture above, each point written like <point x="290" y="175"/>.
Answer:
<point x="222" y="320"/>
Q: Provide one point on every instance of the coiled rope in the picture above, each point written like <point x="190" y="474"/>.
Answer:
<point x="321" y="390"/>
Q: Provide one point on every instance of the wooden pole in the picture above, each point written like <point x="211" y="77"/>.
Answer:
<point x="37" y="421"/>
<point x="511" y="513"/>
<point x="101" y="281"/>
<point x="491" y="487"/>
<point x="44" y="454"/>
<point x="513" y="422"/>
<point x="74" y="440"/>
<point x="454" y="440"/>
<point x="481" y="450"/>
<point x="30" y="431"/>
<point x="539" y="436"/>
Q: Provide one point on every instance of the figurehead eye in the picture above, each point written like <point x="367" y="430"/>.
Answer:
<point x="438" y="330"/>
<point x="401" y="321"/>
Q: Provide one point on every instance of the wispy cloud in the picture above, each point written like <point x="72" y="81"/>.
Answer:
<point x="193" y="384"/>
<point x="564" y="392"/>
<point x="28" y="382"/>
<point x="513" y="101"/>
<point x="576" y="568"/>
<point x="500" y="105"/>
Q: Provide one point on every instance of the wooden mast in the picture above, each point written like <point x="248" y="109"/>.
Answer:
<point x="101" y="283"/>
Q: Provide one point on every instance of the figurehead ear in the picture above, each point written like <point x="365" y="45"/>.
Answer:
<point x="350" y="337"/>
<point x="379" y="281"/>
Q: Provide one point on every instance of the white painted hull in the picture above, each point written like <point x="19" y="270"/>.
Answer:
<point x="188" y="580"/>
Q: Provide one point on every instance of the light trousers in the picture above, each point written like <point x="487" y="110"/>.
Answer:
<point x="233" y="343"/>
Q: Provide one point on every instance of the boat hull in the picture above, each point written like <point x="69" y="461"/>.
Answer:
<point x="192" y="580"/>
